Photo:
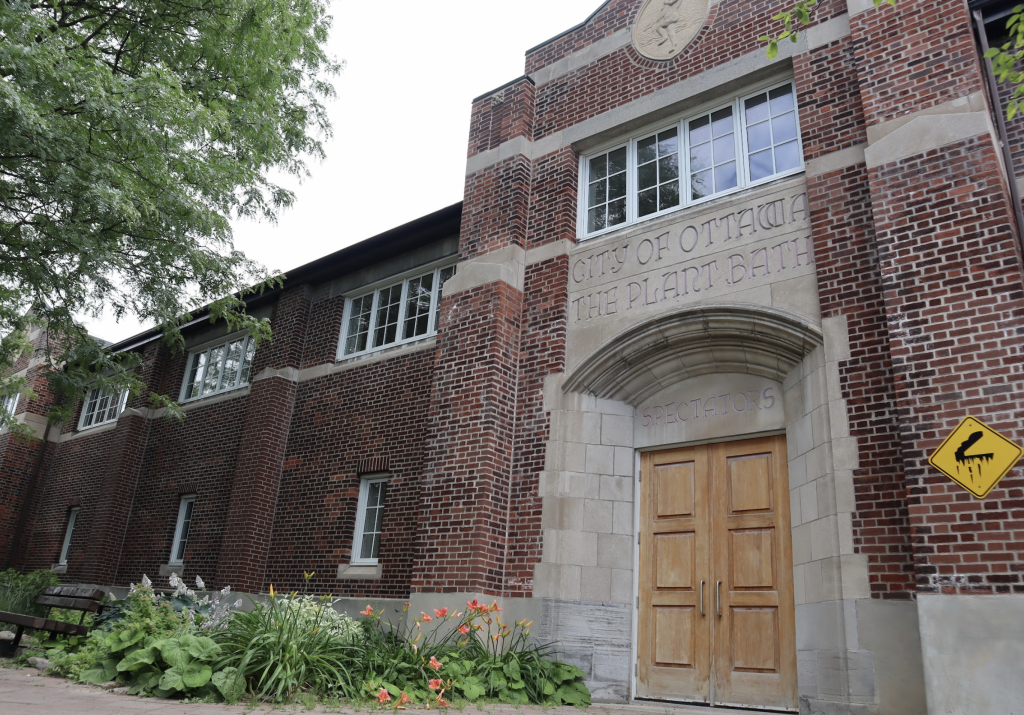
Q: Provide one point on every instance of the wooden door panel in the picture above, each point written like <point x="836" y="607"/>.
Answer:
<point x="754" y="637"/>
<point x="674" y="637"/>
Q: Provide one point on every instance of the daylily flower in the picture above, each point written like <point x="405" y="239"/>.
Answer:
<point x="368" y="612"/>
<point x="402" y="701"/>
<point x="425" y="618"/>
<point x="271" y="590"/>
<point x="496" y="607"/>
<point x="473" y="605"/>
<point x="435" y="663"/>
<point x="463" y="629"/>
<point x="435" y="684"/>
<point x="383" y="696"/>
<point x="442" y="702"/>
<point x="441" y="612"/>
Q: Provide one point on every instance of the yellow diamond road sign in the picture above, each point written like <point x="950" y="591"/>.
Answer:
<point x="975" y="456"/>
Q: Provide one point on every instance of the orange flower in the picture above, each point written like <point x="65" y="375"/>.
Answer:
<point x="426" y="618"/>
<point x="474" y="605"/>
<point x="435" y="684"/>
<point x="496" y="607"/>
<point x="383" y="696"/>
<point x="441" y="612"/>
<point x="477" y="626"/>
<point x="435" y="663"/>
<point x="442" y="702"/>
<point x="404" y="699"/>
<point x="368" y="612"/>
<point x="271" y="590"/>
<point x="463" y="629"/>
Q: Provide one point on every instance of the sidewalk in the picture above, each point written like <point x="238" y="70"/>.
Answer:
<point x="29" y="692"/>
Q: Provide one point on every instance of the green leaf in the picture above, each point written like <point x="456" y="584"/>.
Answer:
<point x="196" y="674"/>
<point x="138" y="658"/>
<point x="201" y="647"/>
<point x="174" y="653"/>
<point x="511" y="669"/>
<point x="102" y="672"/>
<point x="574" y="694"/>
<point x="471" y="687"/>
<point x="230" y="684"/>
<point x="173" y="679"/>
<point x="773" y="49"/>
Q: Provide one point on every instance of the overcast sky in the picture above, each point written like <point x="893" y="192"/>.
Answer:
<point x="401" y="119"/>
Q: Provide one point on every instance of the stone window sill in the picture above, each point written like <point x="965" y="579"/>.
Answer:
<point x="167" y="569"/>
<point x="350" y="571"/>
<point x="59" y="568"/>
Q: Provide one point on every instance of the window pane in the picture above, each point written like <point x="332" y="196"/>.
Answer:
<point x="186" y="524"/>
<point x="648" y="202"/>
<point x="598" y="192"/>
<point x="787" y="156"/>
<point x="388" y="305"/>
<point x="761" y="165"/>
<point x="195" y="376"/>
<point x="358" y="324"/>
<point x="725" y="148"/>
<point x="700" y="184"/>
<point x="700" y="157"/>
<point x="213" y="370"/>
<point x="617" y="161"/>
<point x="669" y="195"/>
<point x="599" y="167"/>
<point x="595" y="219"/>
<point x="757" y="109"/>
<point x="417" y="306"/>
<point x="781" y="99"/>
<point x="725" y="176"/>
<point x="668" y="142"/>
<point x="647" y="175"/>
<point x="759" y="136"/>
<point x="446" y="273"/>
<point x="232" y="364"/>
<point x="367" y="551"/>
<point x="721" y="122"/>
<point x="700" y="130"/>
<point x="646" y="150"/>
<point x="668" y="168"/>
<point x="616" y="212"/>
<point x="250" y="353"/>
<point x="617" y="186"/>
<point x="784" y="128"/>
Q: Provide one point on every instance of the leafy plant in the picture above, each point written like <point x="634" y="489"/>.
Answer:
<point x="289" y="644"/>
<point x="799" y="13"/>
<point x="18" y="592"/>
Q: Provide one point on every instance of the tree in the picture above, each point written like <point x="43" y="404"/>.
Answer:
<point x="131" y="131"/>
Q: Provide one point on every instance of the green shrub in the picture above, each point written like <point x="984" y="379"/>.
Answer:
<point x="291" y="644"/>
<point x="18" y="592"/>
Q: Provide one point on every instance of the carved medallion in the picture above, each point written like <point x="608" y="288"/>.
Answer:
<point x="663" y="28"/>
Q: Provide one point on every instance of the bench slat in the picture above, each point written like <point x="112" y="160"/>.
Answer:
<point x="78" y="604"/>
<point x="43" y="624"/>
<point x="74" y="592"/>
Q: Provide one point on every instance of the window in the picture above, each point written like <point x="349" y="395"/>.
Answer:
<point x="9" y="404"/>
<point x="400" y="312"/>
<point x="101" y="407"/>
<point x="369" y="520"/>
<point x="181" y="531"/>
<point x="219" y="368"/>
<point x="752" y="139"/>
<point x="68" y="534"/>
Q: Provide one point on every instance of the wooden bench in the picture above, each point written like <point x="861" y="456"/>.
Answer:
<point x="86" y="600"/>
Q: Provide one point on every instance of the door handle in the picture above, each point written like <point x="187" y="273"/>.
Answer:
<point x="718" y="597"/>
<point x="702" y="598"/>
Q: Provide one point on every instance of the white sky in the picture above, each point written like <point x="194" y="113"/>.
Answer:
<point x="401" y="120"/>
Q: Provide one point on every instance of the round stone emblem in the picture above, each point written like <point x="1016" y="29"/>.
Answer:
<point x="663" y="28"/>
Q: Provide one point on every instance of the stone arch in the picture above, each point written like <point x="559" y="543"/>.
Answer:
<point x="655" y="354"/>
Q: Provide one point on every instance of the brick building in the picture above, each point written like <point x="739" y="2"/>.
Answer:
<point x="666" y="381"/>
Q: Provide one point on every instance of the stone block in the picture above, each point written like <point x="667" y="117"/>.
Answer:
<point x="575" y="456"/>
<point x="813" y="588"/>
<point x="801" y="544"/>
<point x="824" y="539"/>
<point x="826" y="495"/>
<point x="625" y="462"/>
<point x="583" y="485"/>
<point x="832" y="683"/>
<point x="794" y="507"/>
<point x="615" y="550"/>
<point x="617" y="488"/>
<point x="807" y="673"/>
<point x="596" y="584"/>
<point x="622" y="586"/>
<point x="612" y="665"/>
<point x="622" y="519"/>
<point x="860" y="673"/>
<point x="601" y="692"/>
<point x="597" y="516"/>
<point x="577" y="548"/>
<point x="569" y="583"/>
<point x="809" y="501"/>
<point x="617" y="430"/>
<point x="600" y="459"/>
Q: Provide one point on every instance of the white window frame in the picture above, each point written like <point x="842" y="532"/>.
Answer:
<point x="357" y="535"/>
<point x="183" y="509"/>
<point x="69" y="532"/>
<point x="681" y="122"/>
<point x="10" y="404"/>
<point x="204" y="350"/>
<point x="92" y="397"/>
<point x="375" y="290"/>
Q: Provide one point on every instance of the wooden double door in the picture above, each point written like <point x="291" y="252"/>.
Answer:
<point x="716" y="615"/>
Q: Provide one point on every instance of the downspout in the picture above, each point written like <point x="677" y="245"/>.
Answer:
<point x="1000" y="116"/>
<point x="19" y="532"/>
